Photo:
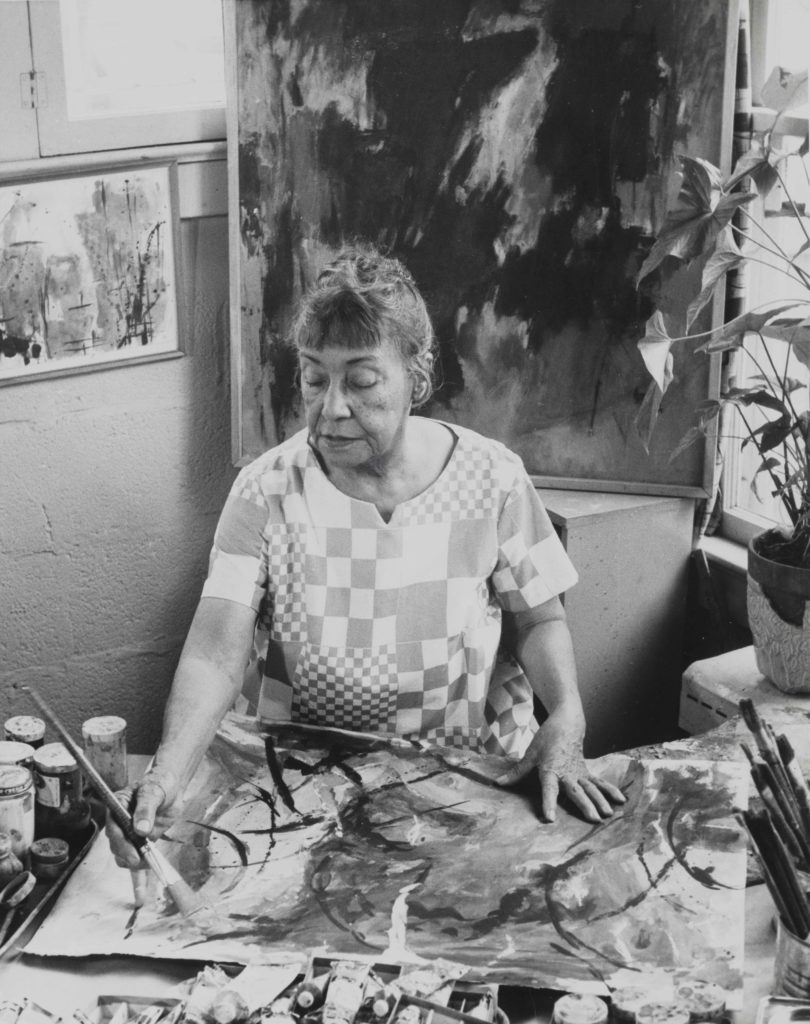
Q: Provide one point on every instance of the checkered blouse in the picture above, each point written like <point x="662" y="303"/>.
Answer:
<point x="391" y="627"/>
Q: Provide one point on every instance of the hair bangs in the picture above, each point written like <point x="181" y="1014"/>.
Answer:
<point x="341" y="318"/>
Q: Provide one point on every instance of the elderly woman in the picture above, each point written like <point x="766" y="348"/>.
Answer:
<point x="369" y="560"/>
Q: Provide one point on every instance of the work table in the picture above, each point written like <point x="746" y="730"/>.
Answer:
<point x="71" y="983"/>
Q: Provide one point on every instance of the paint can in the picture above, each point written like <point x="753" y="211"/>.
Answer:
<point x="105" y="743"/>
<point x="575" y="1008"/>
<point x="17" y="807"/>
<point x="791" y="976"/>
<point x="25" y="729"/>
<point x="15" y="752"/>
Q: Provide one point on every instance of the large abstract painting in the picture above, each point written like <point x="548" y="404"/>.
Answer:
<point x="518" y="157"/>
<point x="87" y="271"/>
<point x="303" y="841"/>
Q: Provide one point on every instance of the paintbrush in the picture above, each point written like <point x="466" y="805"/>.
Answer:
<point x="771" y="872"/>
<point x="796" y="776"/>
<point x="185" y="898"/>
<point x="765" y="744"/>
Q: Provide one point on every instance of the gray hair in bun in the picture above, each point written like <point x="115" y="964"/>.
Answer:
<point x="361" y="297"/>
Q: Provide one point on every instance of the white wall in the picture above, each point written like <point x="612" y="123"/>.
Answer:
<point x="110" y="487"/>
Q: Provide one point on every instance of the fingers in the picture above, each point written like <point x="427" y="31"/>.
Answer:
<point x="549" y="792"/>
<point x="150" y="796"/>
<point x="592" y="797"/>
<point x="514" y="774"/>
<point x="144" y="803"/>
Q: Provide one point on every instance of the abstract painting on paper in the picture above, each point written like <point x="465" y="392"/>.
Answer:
<point x="316" y="842"/>
<point x="87" y="271"/>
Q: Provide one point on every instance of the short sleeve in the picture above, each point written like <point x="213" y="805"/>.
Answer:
<point x="237" y="567"/>
<point x="532" y="564"/>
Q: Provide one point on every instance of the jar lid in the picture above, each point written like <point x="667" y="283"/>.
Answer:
<point x="25" y="727"/>
<point x="14" y="779"/>
<point x="49" y="850"/>
<point x="54" y="758"/>
<point x="14" y="752"/>
<point x="103" y="725"/>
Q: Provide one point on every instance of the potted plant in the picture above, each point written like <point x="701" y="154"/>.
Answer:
<point x="714" y="225"/>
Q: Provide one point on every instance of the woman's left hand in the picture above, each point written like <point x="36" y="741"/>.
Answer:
<point x="555" y="753"/>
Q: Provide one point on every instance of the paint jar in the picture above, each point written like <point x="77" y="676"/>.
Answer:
<point x="791" y="976"/>
<point x="61" y="810"/>
<point x="49" y="857"/>
<point x="105" y="743"/>
<point x="705" y="1000"/>
<point x="17" y="807"/>
<point x="574" y="1008"/>
<point x="10" y="863"/>
<point x="25" y="729"/>
<point x="15" y="752"/>
<point x="663" y="1013"/>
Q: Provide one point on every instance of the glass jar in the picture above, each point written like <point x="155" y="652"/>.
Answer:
<point x="10" y="863"/>
<point x="62" y="811"/>
<point x="17" y="807"/>
<point x="25" y="729"/>
<point x="16" y="752"/>
<point x="49" y="857"/>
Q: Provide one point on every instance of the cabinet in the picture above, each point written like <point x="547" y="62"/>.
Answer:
<point x="626" y="614"/>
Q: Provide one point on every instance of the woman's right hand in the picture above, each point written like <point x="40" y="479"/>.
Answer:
<point x="152" y="802"/>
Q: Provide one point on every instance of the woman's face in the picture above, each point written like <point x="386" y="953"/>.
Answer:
<point x="356" y="402"/>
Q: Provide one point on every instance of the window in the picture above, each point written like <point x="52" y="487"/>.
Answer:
<point x="780" y="30"/>
<point x="82" y="76"/>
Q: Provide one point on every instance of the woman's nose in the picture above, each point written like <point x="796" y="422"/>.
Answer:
<point x="335" y="405"/>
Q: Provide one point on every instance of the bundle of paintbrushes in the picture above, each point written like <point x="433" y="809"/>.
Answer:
<point x="780" y="832"/>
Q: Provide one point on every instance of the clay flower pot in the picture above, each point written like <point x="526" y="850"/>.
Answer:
<point x="779" y="617"/>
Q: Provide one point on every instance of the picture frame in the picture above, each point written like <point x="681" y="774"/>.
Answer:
<point x="89" y="269"/>
<point x="517" y="169"/>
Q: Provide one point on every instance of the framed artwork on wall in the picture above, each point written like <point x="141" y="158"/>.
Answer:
<point x="88" y="271"/>
<point x="518" y="157"/>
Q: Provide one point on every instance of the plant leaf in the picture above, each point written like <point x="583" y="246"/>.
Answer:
<point x="757" y="165"/>
<point x="647" y="415"/>
<point x="771" y="434"/>
<point x="655" y="351"/>
<point x="796" y="332"/>
<point x="785" y="90"/>
<point x="701" y="211"/>
<point x="726" y="257"/>
<point x="755" y="396"/>
<point x="732" y="334"/>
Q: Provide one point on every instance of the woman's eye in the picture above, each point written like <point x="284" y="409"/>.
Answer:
<point x="363" y="380"/>
<point x="312" y="382"/>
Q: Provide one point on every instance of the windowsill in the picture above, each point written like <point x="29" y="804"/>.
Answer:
<point x="730" y="554"/>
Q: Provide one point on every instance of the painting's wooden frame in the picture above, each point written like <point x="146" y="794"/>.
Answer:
<point x="54" y="171"/>
<point x="700" y="486"/>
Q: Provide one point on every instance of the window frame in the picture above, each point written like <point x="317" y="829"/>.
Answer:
<point x="739" y="523"/>
<point x="45" y="132"/>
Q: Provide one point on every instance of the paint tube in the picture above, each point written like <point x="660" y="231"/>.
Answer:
<point x="208" y="983"/>
<point x="121" y="1014"/>
<point x="380" y="998"/>
<point x="311" y="993"/>
<point x="344" y="996"/>
<point x="150" y="1014"/>
<point x="228" y="1007"/>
